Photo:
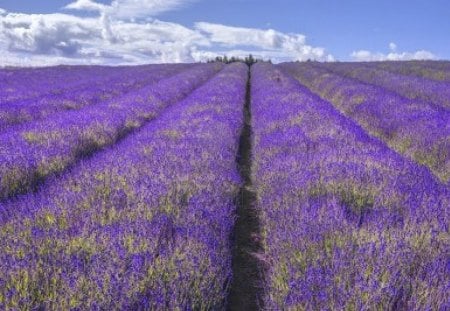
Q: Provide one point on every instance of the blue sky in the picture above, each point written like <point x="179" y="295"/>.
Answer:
<point x="286" y="30"/>
<point x="339" y="26"/>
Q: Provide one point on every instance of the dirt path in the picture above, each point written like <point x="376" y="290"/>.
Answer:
<point x="246" y="292"/>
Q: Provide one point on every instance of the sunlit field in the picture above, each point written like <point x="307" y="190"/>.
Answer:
<point x="240" y="185"/>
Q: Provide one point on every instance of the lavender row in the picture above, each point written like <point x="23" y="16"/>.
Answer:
<point x="412" y="128"/>
<point x="434" y="70"/>
<point x="142" y="226"/>
<point x="347" y="223"/>
<point x="22" y="111"/>
<point x="42" y="148"/>
<point x="435" y="92"/>
<point x="441" y="65"/>
<point x="42" y="80"/>
<point x="26" y="83"/>
<point x="59" y="80"/>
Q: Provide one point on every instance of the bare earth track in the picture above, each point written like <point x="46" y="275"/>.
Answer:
<point x="247" y="284"/>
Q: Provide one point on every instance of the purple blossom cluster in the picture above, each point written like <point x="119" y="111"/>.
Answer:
<point x="35" y="150"/>
<point x="55" y="80"/>
<point x="347" y="223"/>
<point x="413" y="128"/>
<point x="76" y="96"/>
<point x="177" y="187"/>
<point x="434" y="70"/>
<point x="46" y="80"/>
<point x="434" y="92"/>
<point x="145" y="224"/>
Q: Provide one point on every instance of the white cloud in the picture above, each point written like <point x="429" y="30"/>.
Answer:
<point x="28" y="39"/>
<point x="230" y="36"/>
<point x="269" y="42"/>
<point x="56" y="34"/>
<point x="364" y="55"/>
<point x="86" y="5"/>
<point x="110" y="38"/>
<point x="392" y="46"/>
<point x="2" y="11"/>
<point x="23" y="59"/>
<point x="126" y="9"/>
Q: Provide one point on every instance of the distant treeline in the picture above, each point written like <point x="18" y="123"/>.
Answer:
<point x="249" y="60"/>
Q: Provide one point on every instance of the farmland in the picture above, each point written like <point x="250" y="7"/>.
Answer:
<point x="296" y="186"/>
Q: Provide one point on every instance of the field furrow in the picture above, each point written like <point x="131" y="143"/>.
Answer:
<point x="247" y="286"/>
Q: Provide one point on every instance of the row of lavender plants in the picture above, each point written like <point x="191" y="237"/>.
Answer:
<point x="12" y="86"/>
<point x="39" y="149"/>
<point x="55" y="80"/>
<point x="415" y="129"/>
<point x="417" y="88"/>
<point x="142" y="226"/>
<point x="77" y="97"/>
<point x="439" y="71"/>
<point x="347" y="223"/>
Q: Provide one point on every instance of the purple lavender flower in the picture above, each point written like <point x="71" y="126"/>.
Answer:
<point x="434" y="70"/>
<point x="347" y="222"/>
<point x="32" y="152"/>
<point x="411" y="127"/>
<point x="144" y="224"/>
<point x="435" y="92"/>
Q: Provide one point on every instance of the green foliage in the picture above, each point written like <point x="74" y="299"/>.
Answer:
<point x="248" y="60"/>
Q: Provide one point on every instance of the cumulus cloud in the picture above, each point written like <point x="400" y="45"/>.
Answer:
<point x="56" y="34"/>
<point x="86" y="5"/>
<point x="99" y="40"/>
<point x="269" y="43"/>
<point x="364" y="55"/>
<point x="117" y="35"/>
<point x="126" y="9"/>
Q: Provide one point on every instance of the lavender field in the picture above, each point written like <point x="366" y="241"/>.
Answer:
<point x="212" y="186"/>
